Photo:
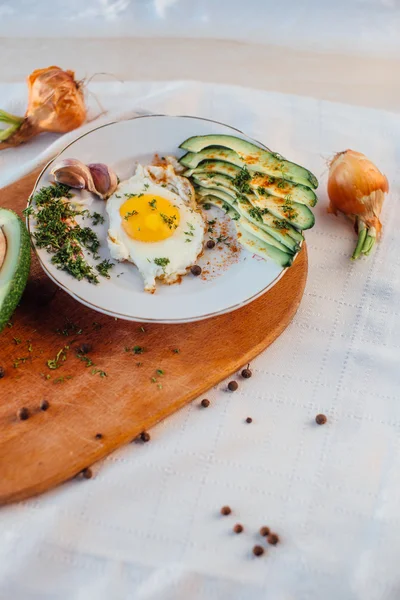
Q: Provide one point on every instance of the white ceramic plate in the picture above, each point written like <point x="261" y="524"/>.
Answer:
<point x="233" y="280"/>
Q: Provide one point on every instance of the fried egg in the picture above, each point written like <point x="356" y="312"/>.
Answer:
<point x="155" y="225"/>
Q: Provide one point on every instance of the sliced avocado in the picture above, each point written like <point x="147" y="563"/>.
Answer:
<point x="298" y="215"/>
<point x="214" y="180"/>
<point x="260" y="159"/>
<point x="227" y="208"/>
<point x="192" y="159"/>
<point x="283" y="189"/>
<point x="223" y="194"/>
<point x="262" y="235"/>
<point x="15" y="260"/>
<point x="255" y="245"/>
<point x="215" y="166"/>
<point x="276" y="228"/>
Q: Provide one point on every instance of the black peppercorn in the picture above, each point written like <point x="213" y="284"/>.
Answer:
<point x="249" y="420"/>
<point x="246" y="373"/>
<point x="44" y="405"/>
<point x="23" y="414"/>
<point x="258" y="550"/>
<point x="233" y="386"/>
<point x="273" y="539"/>
<point x="2" y="372"/>
<point x="87" y="473"/>
<point x="85" y="348"/>
<point x="98" y="436"/>
<point x="321" y="419"/>
<point x="238" y="528"/>
<point x="210" y="244"/>
<point x="144" y="436"/>
<point x="264" y="531"/>
<point x="226" y="510"/>
<point x="205" y="403"/>
<point x="196" y="270"/>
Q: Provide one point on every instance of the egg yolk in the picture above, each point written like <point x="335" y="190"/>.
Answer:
<point x="149" y="218"/>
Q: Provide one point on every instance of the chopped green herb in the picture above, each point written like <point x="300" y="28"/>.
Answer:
<point x="206" y="206"/>
<point x="153" y="204"/>
<point x="170" y="221"/>
<point x="30" y="347"/>
<point x="104" y="267"/>
<point x="280" y="224"/>
<point x="187" y="240"/>
<point x="241" y="181"/>
<point x="97" y="218"/>
<point x="176" y="351"/>
<point x="161" y="262"/>
<point x="96" y="326"/>
<point x="10" y="324"/>
<point x="281" y="183"/>
<point x="99" y="372"/>
<point x="132" y="213"/>
<point x="58" y="232"/>
<point x="117" y="195"/>
<point x="222" y="240"/>
<point x="146" y="186"/>
<point x="85" y="359"/>
<point x="159" y="385"/>
<point x="138" y="350"/>
<point x="61" y="356"/>
<point x="153" y="380"/>
<point x="130" y="195"/>
<point x="17" y="340"/>
<point x="164" y="185"/>
<point x="142" y="329"/>
<point x="160" y="372"/>
<point x="255" y="213"/>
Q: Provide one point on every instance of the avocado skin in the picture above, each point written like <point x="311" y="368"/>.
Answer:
<point x="19" y="276"/>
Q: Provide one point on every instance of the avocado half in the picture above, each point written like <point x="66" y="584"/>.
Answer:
<point x="15" y="262"/>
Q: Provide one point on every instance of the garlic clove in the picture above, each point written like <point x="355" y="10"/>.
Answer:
<point x="72" y="172"/>
<point x="96" y="178"/>
<point x="104" y="179"/>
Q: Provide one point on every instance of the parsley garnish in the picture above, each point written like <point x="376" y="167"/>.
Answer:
<point x="138" y="350"/>
<point x="146" y="186"/>
<point x="281" y="183"/>
<point x="58" y="232"/>
<point x="222" y="240"/>
<point x="207" y="206"/>
<point x="61" y="356"/>
<point x="161" y="262"/>
<point x="170" y="221"/>
<point x="241" y="181"/>
<point x="104" y="267"/>
<point x="153" y="204"/>
<point x="132" y="213"/>
<point x="97" y="218"/>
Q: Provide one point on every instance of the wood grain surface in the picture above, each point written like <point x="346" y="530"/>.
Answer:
<point x="54" y="445"/>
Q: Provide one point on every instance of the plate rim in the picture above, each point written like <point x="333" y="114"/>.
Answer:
<point x="128" y="317"/>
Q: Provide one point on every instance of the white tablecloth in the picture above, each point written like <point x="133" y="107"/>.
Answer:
<point x="147" y="527"/>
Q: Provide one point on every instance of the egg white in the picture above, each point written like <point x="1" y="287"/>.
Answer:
<point x="181" y="254"/>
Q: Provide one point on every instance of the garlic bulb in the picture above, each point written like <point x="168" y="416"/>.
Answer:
<point x="96" y="177"/>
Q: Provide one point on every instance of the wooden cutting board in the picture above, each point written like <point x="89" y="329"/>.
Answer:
<point x="89" y="413"/>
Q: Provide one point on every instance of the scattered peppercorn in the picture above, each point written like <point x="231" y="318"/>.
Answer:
<point x="258" y="550"/>
<point x="238" y="528"/>
<point x="205" y="403"/>
<point x="87" y="473"/>
<point x="144" y="436"/>
<point x="247" y="373"/>
<point x="196" y="270"/>
<point x="2" y="372"/>
<point x="98" y="436"/>
<point x="210" y="244"/>
<point x="264" y="531"/>
<point x="321" y="419"/>
<point x="23" y="414"/>
<point x="226" y="510"/>
<point x="233" y="386"/>
<point x="85" y="348"/>
<point x="249" y="420"/>
<point x="273" y="539"/>
<point x="44" y="405"/>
